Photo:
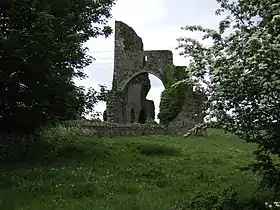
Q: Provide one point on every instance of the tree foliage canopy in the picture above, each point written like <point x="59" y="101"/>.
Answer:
<point x="241" y="75"/>
<point x="41" y="53"/>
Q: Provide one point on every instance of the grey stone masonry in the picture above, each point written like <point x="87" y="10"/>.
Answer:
<point x="127" y="101"/>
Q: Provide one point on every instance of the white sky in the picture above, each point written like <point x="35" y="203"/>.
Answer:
<point x="158" y="23"/>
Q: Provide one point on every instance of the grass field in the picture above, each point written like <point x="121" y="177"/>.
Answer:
<point x="150" y="173"/>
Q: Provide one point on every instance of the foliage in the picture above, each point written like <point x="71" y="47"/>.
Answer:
<point x="14" y="147"/>
<point x="172" y="98"/>
<point x="113" y="172"/>
<point x="60" y="134"/>
<point x="90" y="98"/>
<point x="240" y="71"/>
<point x="61" y="141"/>
<point x="41" y="53"/>
<point x="232" y="201"/>
<point x="174" y="74"/>
<point x="197" y="130"/>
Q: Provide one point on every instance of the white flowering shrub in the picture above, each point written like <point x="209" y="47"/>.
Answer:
<point x="240" y="72"/>
<point x="197" y="130"/>
<point x="61" y="134"/>
<point x="274" y="205"/>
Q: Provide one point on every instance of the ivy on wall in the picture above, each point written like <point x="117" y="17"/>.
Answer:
<point x="129" y="41"/>
<point x="129" y="45"/>
<point x="172" y="98"/>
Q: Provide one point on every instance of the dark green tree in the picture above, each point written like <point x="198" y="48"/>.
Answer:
<point x="41" y="52"/>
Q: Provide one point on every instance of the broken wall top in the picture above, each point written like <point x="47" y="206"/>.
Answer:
<point x="130" y="59"/>
<point x="126" y="39"/>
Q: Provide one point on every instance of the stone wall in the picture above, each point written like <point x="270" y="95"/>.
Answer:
<point x="130" y="59"/>
<point x="127" y="101"/>
<point x="114" y="129"/>
<point x="130" y="62"/>
<point x="191" y="113"/>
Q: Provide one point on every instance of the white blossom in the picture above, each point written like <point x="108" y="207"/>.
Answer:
<point x="241" y="72"/>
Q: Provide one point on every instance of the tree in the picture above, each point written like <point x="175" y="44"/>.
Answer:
<point x="90" y="98"/>
<point x="41" y="53"/>
<point x="240" y="71"/>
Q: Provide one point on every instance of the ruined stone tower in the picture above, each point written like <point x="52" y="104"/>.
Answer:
<point x="131" y="83"/>
<point x="127" y="101"/>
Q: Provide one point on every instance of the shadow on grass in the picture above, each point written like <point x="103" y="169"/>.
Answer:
<point x="157" y="150"/>
<point x="5" y="200"/>
<point x="26" y="174"/>
<point x="43" y="153"/>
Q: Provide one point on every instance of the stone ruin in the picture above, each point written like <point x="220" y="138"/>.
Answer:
<point x="127" y="101"/>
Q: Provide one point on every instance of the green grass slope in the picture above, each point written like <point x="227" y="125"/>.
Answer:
<point x="150" y="173"/>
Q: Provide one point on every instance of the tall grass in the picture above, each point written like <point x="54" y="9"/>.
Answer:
<point x="74" y="170"/>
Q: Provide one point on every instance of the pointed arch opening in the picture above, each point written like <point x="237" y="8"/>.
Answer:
<point x="142" y="117"/>
<point x="141" y="98"/>
<point x="132" y="116"/>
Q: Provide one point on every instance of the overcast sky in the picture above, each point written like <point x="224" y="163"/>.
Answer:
<point x="158" y="23"/>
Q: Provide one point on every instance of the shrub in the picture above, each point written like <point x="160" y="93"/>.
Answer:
<point x="61" y="134"/>
<point x="13" y="146"/>
<point x="172" y="100"/>
<point x="173" y="97"/>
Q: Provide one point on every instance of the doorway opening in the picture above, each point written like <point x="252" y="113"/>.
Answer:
<point x="132" y="116"/>
<point x="142" y="117"/>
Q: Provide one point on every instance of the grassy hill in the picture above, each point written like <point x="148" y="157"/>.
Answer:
<point x="150" y="173"/>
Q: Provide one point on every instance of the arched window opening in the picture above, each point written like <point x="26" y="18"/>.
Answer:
<point x="105" y="117"/>
<point x="142" y="117"/>
<point x="145" y="59"/>
<point x="132" y="116"/>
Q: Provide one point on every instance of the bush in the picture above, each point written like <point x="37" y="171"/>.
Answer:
<point x="229" y="198"/>
<point x="172" y="100"/>
<point x="63" y="141"/>
<point x="61" y="134"/>
<point x="235" y="203"/>
<point x="14" y="147"/>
